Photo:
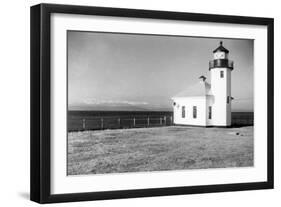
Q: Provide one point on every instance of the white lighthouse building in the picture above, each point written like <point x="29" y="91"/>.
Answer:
<point x="206" y="104"/>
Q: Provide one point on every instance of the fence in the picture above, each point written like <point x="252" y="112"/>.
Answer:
<point x="100" y="123"/>
<point x="125" y="122"/>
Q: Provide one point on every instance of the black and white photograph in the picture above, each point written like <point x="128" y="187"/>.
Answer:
<point x="147" y="102"/>
<point x="131" y="103"/>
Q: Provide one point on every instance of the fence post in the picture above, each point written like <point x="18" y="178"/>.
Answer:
<point x="148" y="121"/>
<point x="171" y="120"/>
<point x="134" y="121"/>
<point x="161" y="121"/>
<point x="101" y="124"/>
<point x="165" y="120"/>
<point x="84" y="124"/>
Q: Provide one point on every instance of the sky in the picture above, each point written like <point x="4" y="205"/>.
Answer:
<point x="113" y="71"/>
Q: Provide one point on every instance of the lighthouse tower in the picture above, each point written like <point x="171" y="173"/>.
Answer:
<point x="220" y="68"/>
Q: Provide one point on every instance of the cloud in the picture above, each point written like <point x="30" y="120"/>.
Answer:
<point x="113" y="102"/>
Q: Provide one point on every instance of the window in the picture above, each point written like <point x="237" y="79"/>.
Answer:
<point x="183" y="111"/>
<point x="222" y="74"/>
<point x="210" y="112"/>
<point x="194" y="112"/>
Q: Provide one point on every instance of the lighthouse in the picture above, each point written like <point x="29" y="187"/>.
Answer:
<point x="220" y="68"/>
<point x="204" y="103"/>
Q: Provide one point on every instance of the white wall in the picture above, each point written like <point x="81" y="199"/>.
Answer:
<point x="14" y="86"/>
<point x="221" y="88"/>
<point x="189" y="102"/>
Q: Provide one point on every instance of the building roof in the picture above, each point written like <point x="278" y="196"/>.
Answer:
<point x="201" y="88"/>
<point x="221" y="48"/>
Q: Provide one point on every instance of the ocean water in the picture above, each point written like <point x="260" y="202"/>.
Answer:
<point x="97" y="120"/>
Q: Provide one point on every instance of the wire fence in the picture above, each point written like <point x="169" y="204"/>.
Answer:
<point x="126" y="122"/>
<point x="100" y="123"/>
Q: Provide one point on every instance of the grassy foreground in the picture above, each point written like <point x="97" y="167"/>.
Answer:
<point x="156" y="149"/>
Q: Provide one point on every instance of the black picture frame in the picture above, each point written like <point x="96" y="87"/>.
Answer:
<point x="41" y="98"/>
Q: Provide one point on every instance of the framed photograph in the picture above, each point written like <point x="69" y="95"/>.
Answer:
<point x="133" y="103"/>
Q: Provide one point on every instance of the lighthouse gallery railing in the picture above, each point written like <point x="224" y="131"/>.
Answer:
<point x="221" y="63"/>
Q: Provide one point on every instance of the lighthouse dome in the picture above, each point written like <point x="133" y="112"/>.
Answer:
<point x="221" y="49"/>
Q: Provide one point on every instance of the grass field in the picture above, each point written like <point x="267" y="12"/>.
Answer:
<point x="157" y="149"/>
